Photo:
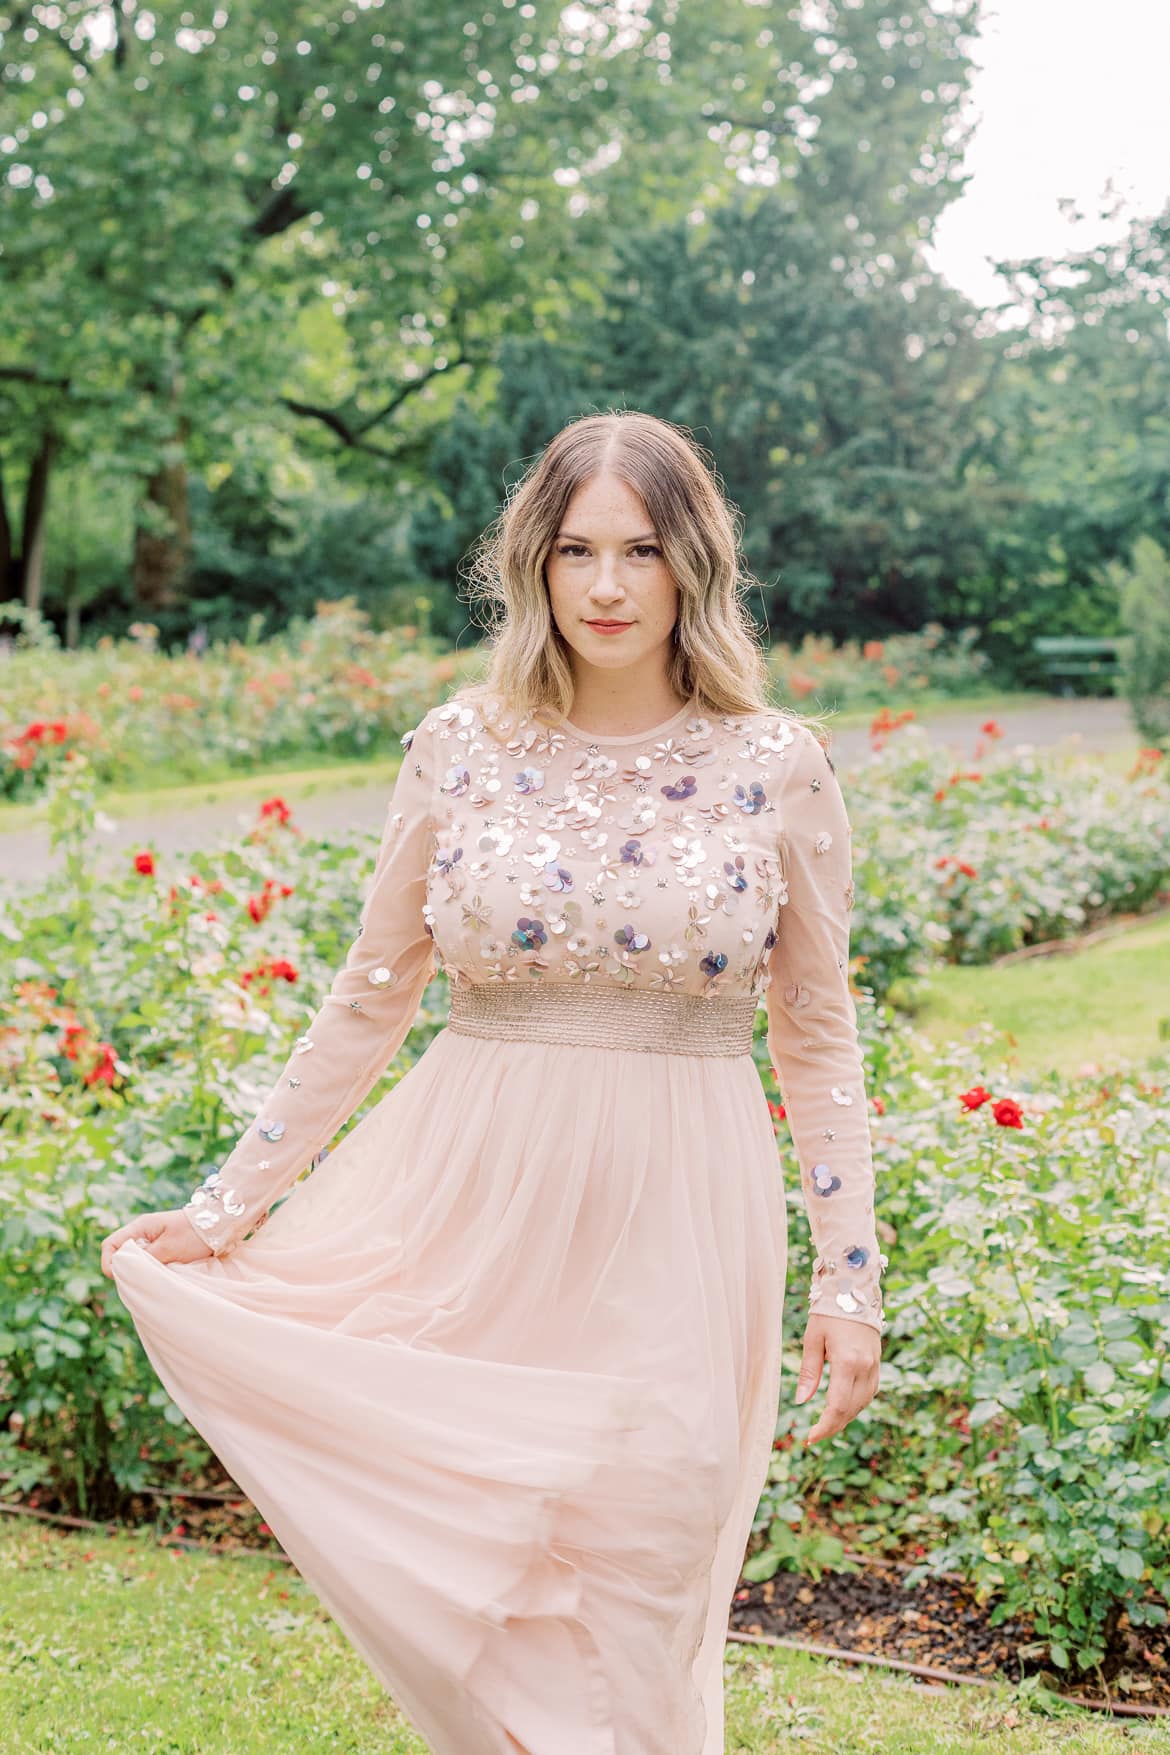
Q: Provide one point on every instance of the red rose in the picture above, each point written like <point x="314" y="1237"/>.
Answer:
<point x="975" y="1097"/>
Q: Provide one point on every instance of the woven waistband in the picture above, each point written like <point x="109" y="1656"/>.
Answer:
<point x="604" y="1017"/>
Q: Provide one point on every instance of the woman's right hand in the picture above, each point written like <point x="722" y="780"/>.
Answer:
<point x="168" y="1236"/>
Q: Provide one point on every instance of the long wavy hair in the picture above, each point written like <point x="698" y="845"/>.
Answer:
<point x="716" y="658"/>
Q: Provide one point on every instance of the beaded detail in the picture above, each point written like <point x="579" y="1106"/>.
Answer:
<point x="640" y="893"/>
<point x="605" y="1017"/>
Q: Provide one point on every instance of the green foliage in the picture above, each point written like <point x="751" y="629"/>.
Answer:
<point x="792" y="1547"/>
<point x="1020" y="1433"/>
<point x="333" y="371"/>
<point x="1145" y="609"/>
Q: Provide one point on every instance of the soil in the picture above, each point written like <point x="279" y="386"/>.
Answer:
<point x="940" y="1623"/>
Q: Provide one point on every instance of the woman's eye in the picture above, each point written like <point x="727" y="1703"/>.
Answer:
<point x="576" y="548"/>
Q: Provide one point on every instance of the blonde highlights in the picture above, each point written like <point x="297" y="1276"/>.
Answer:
<point x="715" y="659"/>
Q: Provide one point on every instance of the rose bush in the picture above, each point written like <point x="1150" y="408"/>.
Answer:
<point x="1020" y="1435"/>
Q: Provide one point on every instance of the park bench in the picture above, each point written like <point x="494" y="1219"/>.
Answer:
<point x="1069" y="655"/>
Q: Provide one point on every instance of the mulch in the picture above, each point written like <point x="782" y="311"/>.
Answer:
<point x="939" y="1623"/>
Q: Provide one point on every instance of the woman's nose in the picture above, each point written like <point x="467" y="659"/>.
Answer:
<point x="606" y="582"/>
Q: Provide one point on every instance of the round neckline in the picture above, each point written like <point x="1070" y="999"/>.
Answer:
<point x="578" y="731"/>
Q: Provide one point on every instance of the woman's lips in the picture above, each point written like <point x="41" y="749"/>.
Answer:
<point x="608" y="627"/>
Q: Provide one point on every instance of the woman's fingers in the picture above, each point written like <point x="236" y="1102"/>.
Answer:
<point x="854" y="1370"/>
<point x="168" y="1236"/>
<point x="110" y="1245"/>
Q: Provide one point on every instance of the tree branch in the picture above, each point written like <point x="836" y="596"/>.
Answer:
<point x="30" y="375"/>
<point x="755" y="124"/>
<point x="337" y="424"/>
<point x="352" y="432"/>
<point x="282" y="210"/>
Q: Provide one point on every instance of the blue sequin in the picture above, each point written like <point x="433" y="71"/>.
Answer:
<point x="713" y="963"/>
<point x="530" y="933"/>
<point x="857" y="1256"/>
<point x="556" y="877"/>
<point x="684" y="788"/>
<point x="270" y="1130"/>
<point x="631" y="853"/>
<point x="736" y="875"/>
<point x="631" y="938"/>
<point x="529" y="780"/>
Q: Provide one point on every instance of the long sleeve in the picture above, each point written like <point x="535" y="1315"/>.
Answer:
<point x="813" y="1039"/>
<point x="365" y="1017"/>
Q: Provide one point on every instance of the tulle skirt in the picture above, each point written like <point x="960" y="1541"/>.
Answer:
<point x="502" y="1376"/>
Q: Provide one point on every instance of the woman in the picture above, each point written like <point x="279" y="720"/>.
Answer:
<point x="502" y="1375"/>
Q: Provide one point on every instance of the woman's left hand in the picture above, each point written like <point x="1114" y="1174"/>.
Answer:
<point x="854" y="1354"/>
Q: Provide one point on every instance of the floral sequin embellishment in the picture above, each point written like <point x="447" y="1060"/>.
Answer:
<point x="456" y="781"/>
<point x="823" y="1180"/>
<point x="751" y="799"/>
<point x="530" y="934"/>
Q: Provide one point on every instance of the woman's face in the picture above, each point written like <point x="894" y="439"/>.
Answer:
<point x="606" y="565"/>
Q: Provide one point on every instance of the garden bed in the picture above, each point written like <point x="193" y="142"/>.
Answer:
<point x="939" y="1624"/>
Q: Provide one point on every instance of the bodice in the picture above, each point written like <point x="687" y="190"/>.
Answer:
<point x="651" y="861"/>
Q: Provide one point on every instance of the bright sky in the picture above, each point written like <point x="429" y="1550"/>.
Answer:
<point x="1069" y="92"/>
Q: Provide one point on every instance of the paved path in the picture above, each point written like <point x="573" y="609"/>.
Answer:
<point x="25" y="853"/>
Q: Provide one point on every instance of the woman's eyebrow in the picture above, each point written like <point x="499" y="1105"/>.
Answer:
<point x="567" y="536"/>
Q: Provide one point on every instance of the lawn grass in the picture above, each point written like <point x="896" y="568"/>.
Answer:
<point x="118" y="1643"/>
<point x="934" y="704"/>
<point x="1094" y="1006"/>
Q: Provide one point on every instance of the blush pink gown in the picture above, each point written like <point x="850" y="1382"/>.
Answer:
<point x="502" y="1373"/>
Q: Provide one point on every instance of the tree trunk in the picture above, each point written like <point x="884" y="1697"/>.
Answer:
<point x="162" y="536"/>
<point x="36" y="502"/>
